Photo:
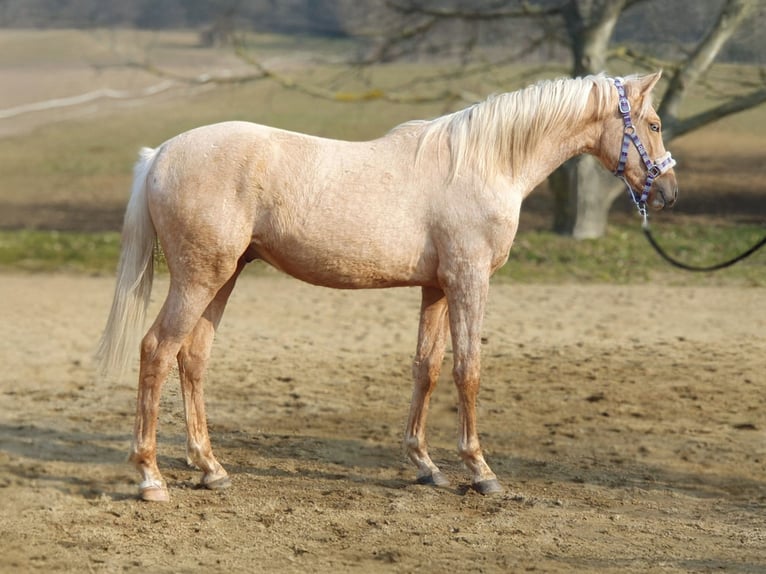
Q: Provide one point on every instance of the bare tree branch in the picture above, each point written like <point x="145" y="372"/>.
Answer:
<point x="641" y="59"/>
<point x="526" y="10"/>
<point x="729" y="107"/>
<point x="341" y="96"/>
<point x="689" y="73"/>
<point x="385" y="52"/>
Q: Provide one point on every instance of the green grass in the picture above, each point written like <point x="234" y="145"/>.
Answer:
<point x="59" y="251"/>
<point x="623" y="256"/>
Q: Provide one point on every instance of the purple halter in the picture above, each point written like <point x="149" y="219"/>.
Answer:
<point x="654" y="169"/>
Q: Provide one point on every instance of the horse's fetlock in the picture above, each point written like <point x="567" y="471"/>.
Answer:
<point x="412" y="443"/>
<point x="469" y="449"/>
<point x="139" y="459"/>
<point x="197" y="454"/>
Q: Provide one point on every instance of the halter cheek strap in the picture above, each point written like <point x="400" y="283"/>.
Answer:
<point x="654" y="169"/>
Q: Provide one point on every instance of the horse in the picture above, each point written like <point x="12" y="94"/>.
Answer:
<point x="432" y="204"/>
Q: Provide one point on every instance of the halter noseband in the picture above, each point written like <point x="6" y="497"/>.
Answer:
<point x="654" y="169"/>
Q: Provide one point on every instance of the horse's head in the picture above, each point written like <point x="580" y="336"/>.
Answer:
<point x="631" y="143"/>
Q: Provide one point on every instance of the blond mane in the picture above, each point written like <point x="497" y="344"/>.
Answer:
<point x="501" y="131"/>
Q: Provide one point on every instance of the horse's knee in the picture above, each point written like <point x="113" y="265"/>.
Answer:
<point x="149" y="346"/>
<point x="156" y="355"/>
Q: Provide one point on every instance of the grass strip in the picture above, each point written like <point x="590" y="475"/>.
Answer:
<point x="622" y="256"/>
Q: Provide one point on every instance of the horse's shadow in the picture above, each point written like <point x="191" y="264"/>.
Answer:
<point x="38" y="455"/>
<point x="642" y="475"/>
<point x="32" y="453"/>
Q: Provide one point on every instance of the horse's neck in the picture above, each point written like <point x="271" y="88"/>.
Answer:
<point x="526" y="135"/>
<point x="566" y="142"/>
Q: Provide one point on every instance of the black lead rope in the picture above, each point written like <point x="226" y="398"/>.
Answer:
<point x="681" y="265"/>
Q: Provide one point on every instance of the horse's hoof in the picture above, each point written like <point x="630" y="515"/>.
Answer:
<point x="435" y="479"/>
<point x="217" y="484"/>
<point x="155" y="494"/>
<point x="153" y="490"/>
<point x="489" y="486"/>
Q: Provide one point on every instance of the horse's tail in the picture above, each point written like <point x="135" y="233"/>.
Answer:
<point x="135" y="273"/>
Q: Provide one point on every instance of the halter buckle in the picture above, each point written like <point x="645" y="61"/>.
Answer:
<point x="655" y="171"/>
<point x="624" y="106"/>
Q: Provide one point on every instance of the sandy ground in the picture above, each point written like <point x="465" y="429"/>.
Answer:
<point x="626" y="423"/>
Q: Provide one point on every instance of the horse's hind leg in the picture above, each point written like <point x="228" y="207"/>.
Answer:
<point x="185" y="304"/>
<point x="432" y="337"/>
<point x="192" y="364"/>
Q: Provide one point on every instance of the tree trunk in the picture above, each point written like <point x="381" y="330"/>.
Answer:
<point x="583" y="194"/>
<point x="582" y="197"/>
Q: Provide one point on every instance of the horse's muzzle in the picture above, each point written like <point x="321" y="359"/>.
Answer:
<point x="664" y="193"/>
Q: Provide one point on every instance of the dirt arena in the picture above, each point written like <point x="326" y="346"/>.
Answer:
<point x="626" y="423"/>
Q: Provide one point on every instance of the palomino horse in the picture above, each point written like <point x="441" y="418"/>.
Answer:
<point x="433" y="204"/>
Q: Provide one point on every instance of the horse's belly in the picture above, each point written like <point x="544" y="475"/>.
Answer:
<point x="355" y="265"/>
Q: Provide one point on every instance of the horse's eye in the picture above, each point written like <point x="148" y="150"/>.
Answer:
<point x="655" y="127"/>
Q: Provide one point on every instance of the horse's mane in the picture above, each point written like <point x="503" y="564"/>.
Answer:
<point x="502" y="129"/>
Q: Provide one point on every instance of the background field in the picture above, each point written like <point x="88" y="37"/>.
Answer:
<point x="622" y="402"/>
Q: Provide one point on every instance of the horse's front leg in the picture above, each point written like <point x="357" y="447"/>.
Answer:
<point x="432" y="338"/>
<point x="467" y="296"/>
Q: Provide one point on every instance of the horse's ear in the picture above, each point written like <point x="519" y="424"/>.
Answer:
<point x="646" y="83"/>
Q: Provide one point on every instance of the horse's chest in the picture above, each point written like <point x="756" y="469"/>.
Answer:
<point x="502" y="241"/>
<point x="479" y="229"/>
<point x="499" y="223"/>
<point x="498" y="218"/>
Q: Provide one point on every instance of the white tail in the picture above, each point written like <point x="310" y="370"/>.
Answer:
<point x="135" y="273"/>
